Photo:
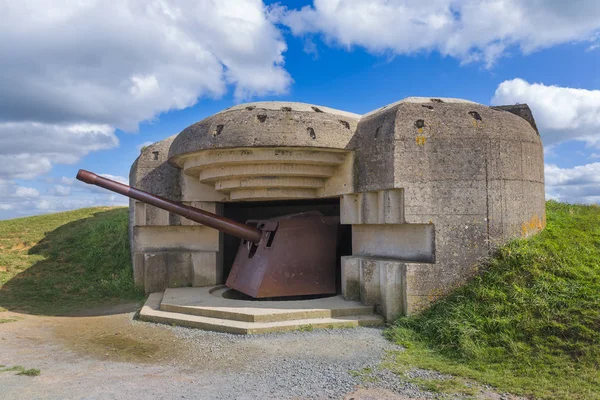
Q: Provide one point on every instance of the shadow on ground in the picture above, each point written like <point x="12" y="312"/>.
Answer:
<point x="79" y="265"/>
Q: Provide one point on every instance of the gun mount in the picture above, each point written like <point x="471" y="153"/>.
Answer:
<point x="287" y="256"/>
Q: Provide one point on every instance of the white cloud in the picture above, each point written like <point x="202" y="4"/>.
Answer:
<point x="60" y="190"/>
<point x="29" y="149"/>
<point x="26" y="192"/>
<point x="11" y="191"/>
<point x="67" y="181"/>
<point x="120" y="179"/>
<point x="13" y="196"/>
<point x="85" y="187"/>
<point x="50" y="204"/>
<point x="561" y="113"/>
<point x="17" y="201"/>
<point x="73" y="72"/>
<point x="595" y="40"/>
<point x="471" y="30"/>
<point x="579" y="175"/>
<point x="580" y="184"/>
<point x="119" y="63"/>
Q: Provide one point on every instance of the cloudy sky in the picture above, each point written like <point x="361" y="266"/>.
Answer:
<point x="87" y="83"/>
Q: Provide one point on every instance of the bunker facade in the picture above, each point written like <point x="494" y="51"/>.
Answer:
<point x="425" y="190"/>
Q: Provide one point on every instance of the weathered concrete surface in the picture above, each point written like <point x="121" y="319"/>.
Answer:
<point x="378" y="207"/>
<point x="430" y="187"/>
<point x="267" y="124"/>
<point x="230" y="322"/>
<point x="271" y="173"/>
<point x="151" y="172"/>
<point x="409" y="242"/>
<point x="210" y="302"/>
<point x="469" y="178"/>
<point x="377" y="282"/>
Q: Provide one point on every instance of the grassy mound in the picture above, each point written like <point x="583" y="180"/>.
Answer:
<point x="530" y="323"/>
<point x="57" y="263"/>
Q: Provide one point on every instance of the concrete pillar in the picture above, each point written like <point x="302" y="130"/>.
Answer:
<point x="350" y="278"/>
<point x="375" y="281"/>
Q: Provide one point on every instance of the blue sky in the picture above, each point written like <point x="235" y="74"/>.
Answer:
<point x="100" y="87"/>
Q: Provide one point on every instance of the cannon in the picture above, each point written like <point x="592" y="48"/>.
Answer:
<point x="292" y="255"/>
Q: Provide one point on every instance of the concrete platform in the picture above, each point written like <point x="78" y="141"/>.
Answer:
<point x="205" y="308"/>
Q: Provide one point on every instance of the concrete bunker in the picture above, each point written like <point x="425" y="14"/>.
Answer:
<point x="426" y="189"/>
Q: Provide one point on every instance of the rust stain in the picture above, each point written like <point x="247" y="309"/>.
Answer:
<point x="477" y="124"/>
<point x="534" y="225"/>
<point x="421" y="140"/>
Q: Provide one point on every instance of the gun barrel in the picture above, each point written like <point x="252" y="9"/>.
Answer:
<point x="222" y="224"/>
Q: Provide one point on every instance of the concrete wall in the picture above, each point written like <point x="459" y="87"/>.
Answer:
<point x="168" y="250"/>
<point x="471" y="173"/>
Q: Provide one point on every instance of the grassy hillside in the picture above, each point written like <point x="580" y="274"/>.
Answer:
<point x="530" y="323"/>
<point x="56" y="263"/>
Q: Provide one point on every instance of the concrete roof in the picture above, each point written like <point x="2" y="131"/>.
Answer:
<point x="295" y="106"/>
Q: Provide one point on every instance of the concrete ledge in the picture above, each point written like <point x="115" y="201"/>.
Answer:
<point x="151" y="312"/>
<point x="406" y="242"/>
<point x="208" y="302"/>
<point x="158" y="238"/>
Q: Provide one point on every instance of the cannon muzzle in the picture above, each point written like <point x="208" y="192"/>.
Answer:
<point x="226" y="225"/>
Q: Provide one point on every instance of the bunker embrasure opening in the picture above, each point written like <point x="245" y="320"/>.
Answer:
<point x="248" y="212"/>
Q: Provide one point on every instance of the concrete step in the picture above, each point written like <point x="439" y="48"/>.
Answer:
<point x="151" y="312"/>
<point x="208" y="302"/>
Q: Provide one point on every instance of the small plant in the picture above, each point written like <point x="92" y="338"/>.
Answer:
<point x="306" y="328"/>
<point x="30" y="372"/>
<point x="21" y="370"/>
<point x="365" y="375"/>
<point x="446" y="386"/>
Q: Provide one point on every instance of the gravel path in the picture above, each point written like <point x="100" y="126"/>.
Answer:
<point x="115" y="357"/>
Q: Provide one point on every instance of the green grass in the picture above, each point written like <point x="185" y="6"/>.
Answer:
<point x="7" y="320"/>
<point x="22" y="370"/>
<point x="58" y="263"/>
<point x="366" y="375"/>
<point x="445" y="386"/>
<point x="529" y="324"/>
<point x="306" y="328"/>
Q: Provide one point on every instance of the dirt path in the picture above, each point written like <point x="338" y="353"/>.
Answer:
<point x="115" y="357"/>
